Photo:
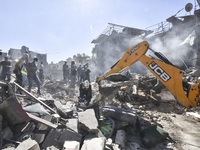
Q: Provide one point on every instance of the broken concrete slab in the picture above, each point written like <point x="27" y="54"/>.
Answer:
<point x="69" y="135"/>
<point x="28" y="144"/>
<point x="13" y="112"/>
<point x="94" y="144"/>
<point x="51" y="139"/>
<point x="42" y="126"/>
<point x="71" y="145"/>
<point x="58" y="137"/>
<point x="72" y="124"/>
<point x="166" y="96"/>
<point x="62" y="110"/>
<point x="40" y="136"/>
<point x="88" y="120"/>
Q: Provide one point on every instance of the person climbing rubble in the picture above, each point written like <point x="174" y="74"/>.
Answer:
<point x="5" y="73"/>
<point x="18" y="69"/>
<point x="85" y="91"/>
<point x="32" y="75"/>
<point x="41" y="72"/>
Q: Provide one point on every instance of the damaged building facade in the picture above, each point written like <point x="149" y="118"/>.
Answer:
<point x="177" y="36"/>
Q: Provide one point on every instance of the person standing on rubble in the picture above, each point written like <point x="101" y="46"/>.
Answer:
<point x="41" y="72"/>
<point x="85" y="91"/>
<point x="65" y="71"/>
<point x="82" y="74"/>
<point x="73" y="74"/>
<point x="87" y="72"/>
<point x="79" y="73"/>
<point x="32" y="75"/>
<point x="18" y="69"/>
<point x="5" y="73"/>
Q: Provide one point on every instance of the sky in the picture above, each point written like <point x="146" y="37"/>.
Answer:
<point x="63" y="28"/>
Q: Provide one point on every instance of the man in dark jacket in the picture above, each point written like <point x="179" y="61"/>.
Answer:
<point x="5" y="73"/>
<point x="65" y="71"/>
<point x="32" y="75"/>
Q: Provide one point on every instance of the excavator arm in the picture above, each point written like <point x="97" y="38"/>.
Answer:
<point x="167" y="73"/>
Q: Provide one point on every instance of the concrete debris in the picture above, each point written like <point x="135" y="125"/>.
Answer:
<point x="28" y="144"/>
<point x="74" y="145"/>
<point x="114" y="120"/>
<point x="94" y="143"/>
<point x="88" y="120"/>
<point x="72" y="124"/>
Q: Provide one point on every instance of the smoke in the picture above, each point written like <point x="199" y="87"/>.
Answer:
<point x="173" y="48"/>
<point x="171" y="45"/>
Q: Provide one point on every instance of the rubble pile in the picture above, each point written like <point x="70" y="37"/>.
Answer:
<point x="121" y="116"/>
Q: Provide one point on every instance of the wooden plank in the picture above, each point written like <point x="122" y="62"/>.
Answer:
<point x="43" y="121"/>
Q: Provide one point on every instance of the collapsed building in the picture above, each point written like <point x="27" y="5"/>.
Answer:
<point x="168" y="37"/>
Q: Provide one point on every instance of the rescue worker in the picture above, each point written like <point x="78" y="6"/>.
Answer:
<point x="32" y="75"/>
<point x="41" y="72"/>
<point x="79" y="73"/>
<point x="87" y="72"/>
<point x="5" y="73"/>
<point x="65" y="71"/>
<point x="73" y="75"/>
<point x="24" y="76"/>
<point x="85" y="91"/>
<point x="18" y="68"/>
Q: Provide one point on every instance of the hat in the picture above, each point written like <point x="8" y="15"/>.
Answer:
<point x="86" y="84"/>
<point x="35" y="59"/>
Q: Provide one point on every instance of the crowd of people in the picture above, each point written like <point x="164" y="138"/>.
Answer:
<point x="27" y="72"/>
<point x="80" y="75"/>
<point x="24" y="71"/>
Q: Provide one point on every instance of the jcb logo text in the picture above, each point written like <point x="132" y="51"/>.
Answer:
<point x="159" y="71"/>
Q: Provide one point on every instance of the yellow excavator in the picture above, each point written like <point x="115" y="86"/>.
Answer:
<point x="170" y="75"/>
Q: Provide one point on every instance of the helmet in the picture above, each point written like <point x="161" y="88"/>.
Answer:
<point x="86" y="84"/>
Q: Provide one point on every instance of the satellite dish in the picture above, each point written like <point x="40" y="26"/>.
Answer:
<point x="189" y="7"/>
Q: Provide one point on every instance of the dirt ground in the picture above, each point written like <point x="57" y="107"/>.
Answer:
<point x="182" y="128"/>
